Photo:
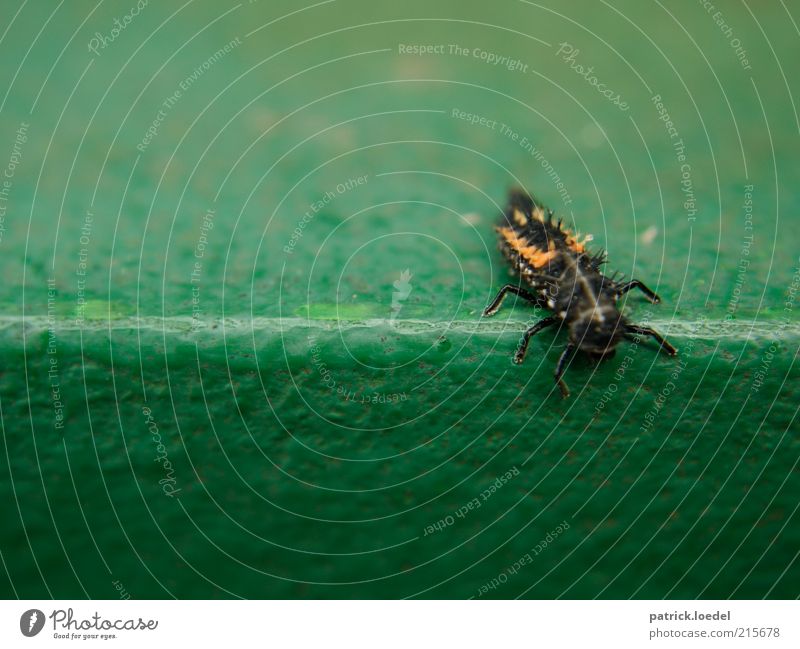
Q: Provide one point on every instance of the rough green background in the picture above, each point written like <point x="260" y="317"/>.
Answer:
<point x="676" y="477"/>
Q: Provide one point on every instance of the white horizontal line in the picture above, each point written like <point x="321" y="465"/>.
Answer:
<point x="707" y="329"/>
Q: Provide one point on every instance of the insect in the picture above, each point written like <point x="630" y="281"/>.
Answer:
<point x="565" y="278"/>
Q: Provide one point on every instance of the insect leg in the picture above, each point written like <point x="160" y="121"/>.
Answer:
<point x="561" y="366"/>
<point x="523" y="345"/>
<point x="624" y="288"/>
<point x="494" y="307"/>
<point x="646" y="331"/>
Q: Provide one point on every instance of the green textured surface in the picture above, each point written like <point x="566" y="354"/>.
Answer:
<point x="318" y="419"/>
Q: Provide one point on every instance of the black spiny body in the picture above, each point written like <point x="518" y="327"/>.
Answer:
<point x="565" y="278"/>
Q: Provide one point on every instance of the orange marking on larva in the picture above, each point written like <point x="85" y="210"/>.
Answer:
<point x="538" y="213"/>
<point x="520" y="218"/>
<point x="577" y="246"/>
<point x="573" y="244"/>
<point x="530" y="253"/>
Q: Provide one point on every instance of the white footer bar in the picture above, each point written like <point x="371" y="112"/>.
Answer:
<point x="389" y="624"/>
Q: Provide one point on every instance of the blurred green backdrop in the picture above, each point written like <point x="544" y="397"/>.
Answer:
<point x="245" y="248"/>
